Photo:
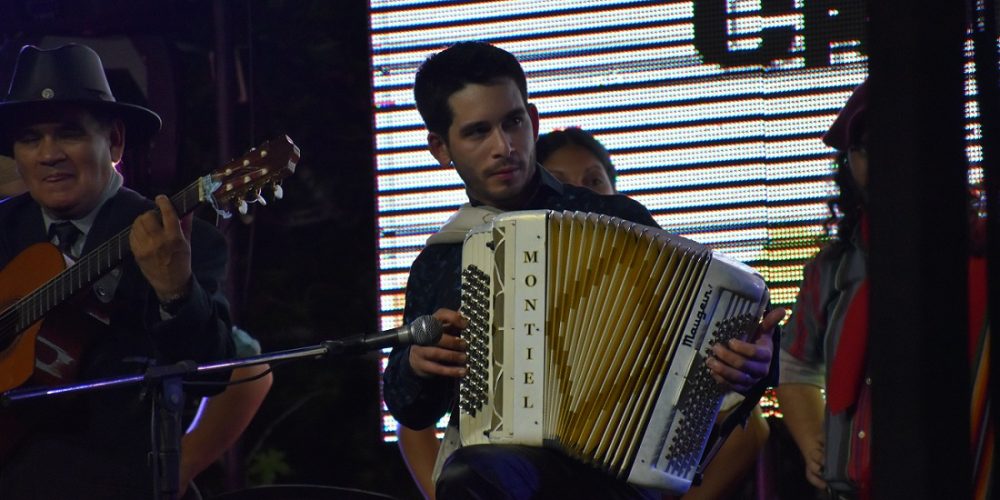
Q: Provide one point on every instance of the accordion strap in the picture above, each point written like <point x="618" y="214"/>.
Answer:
<point x="466" y="218"/>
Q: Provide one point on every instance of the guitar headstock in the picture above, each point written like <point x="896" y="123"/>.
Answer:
<point x="241" y="181"/>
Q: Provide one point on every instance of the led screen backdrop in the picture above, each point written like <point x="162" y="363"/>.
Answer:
<point x="712" y="111"/>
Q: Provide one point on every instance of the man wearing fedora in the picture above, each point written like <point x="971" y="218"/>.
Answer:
<point x="162" y="304"/>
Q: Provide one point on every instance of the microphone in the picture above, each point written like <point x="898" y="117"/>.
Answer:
<point x="425" y="330"/>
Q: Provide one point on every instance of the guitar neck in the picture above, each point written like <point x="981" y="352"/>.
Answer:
<point x="236" y="182"/>
<point x="88" y="269"/>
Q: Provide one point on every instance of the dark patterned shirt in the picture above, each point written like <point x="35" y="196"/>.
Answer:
<point x="435" y="282"/>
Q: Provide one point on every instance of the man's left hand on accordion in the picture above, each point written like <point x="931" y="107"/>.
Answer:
<point x="740" y="365"/>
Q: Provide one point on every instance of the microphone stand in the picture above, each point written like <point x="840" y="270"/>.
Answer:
<point x="167" y="385"/>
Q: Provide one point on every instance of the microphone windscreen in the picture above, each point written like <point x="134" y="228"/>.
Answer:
<point x="425" y="330"/>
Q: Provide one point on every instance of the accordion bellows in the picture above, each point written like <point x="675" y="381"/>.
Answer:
<point x="589" y="334"/>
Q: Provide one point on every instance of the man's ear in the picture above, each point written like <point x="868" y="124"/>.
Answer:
<point x="438" y="148"/>
<point x="116" y="139"/>
<point x="533" y="116"/>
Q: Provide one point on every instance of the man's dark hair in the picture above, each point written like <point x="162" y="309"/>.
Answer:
<point x="574" y="136"/>
<point x="450" y="70"/>
<point x="845" y="208"/>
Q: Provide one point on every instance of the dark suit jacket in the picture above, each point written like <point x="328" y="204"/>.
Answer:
<point x="95" y="445"/>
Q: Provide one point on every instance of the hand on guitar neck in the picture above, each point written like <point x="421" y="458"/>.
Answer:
<point x="161" y="244"/>
<point x="36" y="281"/>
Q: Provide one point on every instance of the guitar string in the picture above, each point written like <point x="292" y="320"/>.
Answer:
<point x="53" y="289"/>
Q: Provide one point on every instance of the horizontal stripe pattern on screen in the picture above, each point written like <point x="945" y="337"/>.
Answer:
<point x="712" y="114"/>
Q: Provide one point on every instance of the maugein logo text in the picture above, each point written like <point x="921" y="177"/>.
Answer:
<point x="688" y="339"/>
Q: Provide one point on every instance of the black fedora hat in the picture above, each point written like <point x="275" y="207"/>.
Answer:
<point x="71" y="74"/>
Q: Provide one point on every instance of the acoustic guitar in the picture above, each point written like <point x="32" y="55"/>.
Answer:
<point x="37" y="280"/>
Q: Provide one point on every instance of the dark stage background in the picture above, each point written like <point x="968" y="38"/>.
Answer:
<point x="228" y="74"/>
<point x="304" y="267"/>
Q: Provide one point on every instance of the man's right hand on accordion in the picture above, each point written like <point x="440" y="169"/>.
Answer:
<point x="741" y="365"/>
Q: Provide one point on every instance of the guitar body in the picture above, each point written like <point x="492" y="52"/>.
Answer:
<point x="31" y="269"/>
<point x="27" y="272"/>
<point x="48" y="352"/>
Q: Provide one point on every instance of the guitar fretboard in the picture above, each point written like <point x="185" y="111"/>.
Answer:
<point x="233" y="183"/>
<point x="34" y="306"/>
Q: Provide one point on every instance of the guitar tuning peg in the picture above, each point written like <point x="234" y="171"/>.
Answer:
<point x="242" y="207"/>
<point x="254" y="196"/>
<point x="278" y="192"/>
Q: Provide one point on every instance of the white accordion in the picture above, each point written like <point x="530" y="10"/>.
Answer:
<point x="589" y="334"/>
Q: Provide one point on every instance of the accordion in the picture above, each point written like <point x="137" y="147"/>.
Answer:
<point x="589" y="334"/>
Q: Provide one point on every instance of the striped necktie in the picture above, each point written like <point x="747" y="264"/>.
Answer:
<point x="66" y="234"/>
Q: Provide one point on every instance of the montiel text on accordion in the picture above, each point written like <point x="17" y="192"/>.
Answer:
<point x="589" y="334"/>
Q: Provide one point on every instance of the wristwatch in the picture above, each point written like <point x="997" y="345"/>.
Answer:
<point x="173" y="305"/>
